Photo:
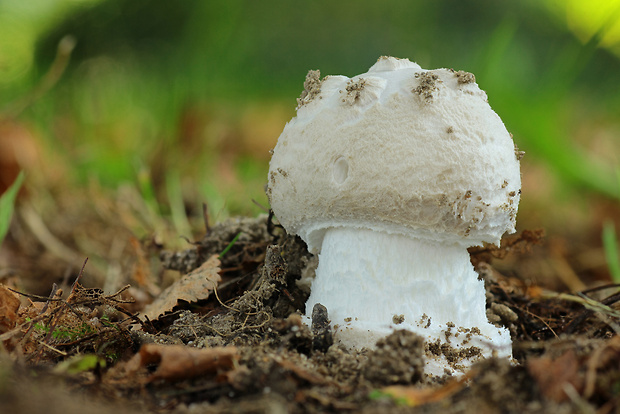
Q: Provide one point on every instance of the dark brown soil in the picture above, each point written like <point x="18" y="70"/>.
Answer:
<point x="245" y="348"/>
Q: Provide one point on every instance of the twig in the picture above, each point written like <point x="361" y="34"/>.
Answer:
<point x="597" y="288"/>
<point x="271" y="226"/>
<point x="602" y="306"/>
<point x="230" y="307"/>
<point x="51" y="297"/>
<point x="76" y="281"/>
<point x="255" y="326"/>
<point x="262" y="207"/>
<point x="37" y="297"/>
<point x="53" y="349"/>
<point x="543" y="321"/>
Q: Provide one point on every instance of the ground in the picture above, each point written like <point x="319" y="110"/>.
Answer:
<point x="227" y="334"/>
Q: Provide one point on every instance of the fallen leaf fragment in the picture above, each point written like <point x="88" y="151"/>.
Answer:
<point x="552" y="375"/>
<point x="177" y="362"/>
<point x="194" y="286"/>
<point x="9" y="305"/>
<point x="414" y="396"/>
<point x="302" y="373"/>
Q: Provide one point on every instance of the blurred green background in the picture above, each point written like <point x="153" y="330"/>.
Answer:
<point x="180" y="102"/>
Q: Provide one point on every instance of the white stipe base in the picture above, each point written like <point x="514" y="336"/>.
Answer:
<point x="373" y="283"/>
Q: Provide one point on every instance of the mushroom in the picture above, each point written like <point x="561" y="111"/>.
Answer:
<point x="389" y="176"/>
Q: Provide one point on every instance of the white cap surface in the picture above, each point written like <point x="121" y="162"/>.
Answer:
<point x="398" y="149"/>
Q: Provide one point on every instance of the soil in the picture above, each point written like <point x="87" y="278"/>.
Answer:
<point x="244" y="347"/>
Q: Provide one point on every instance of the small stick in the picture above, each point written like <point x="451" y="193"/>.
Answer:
<point x="262" y="207"/>
<point x="51" y="296"/>
<point x="53" y="349"/>
<point x="77" y="279"/>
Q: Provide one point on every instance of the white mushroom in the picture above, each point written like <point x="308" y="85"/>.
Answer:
<point x="389" y="177"/>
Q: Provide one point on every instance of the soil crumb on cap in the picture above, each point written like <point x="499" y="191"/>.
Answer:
<point x="428" y="85"/>
<point x="465" y="77"/>
<point x="312" y="88"/>
<point x="354" y="90"/>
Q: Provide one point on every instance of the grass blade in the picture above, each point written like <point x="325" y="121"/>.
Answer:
<point x="610" y="245"/>
<point x="7" y="201"/>
<point x="230" y="245"/>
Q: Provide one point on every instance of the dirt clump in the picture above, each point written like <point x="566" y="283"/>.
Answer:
<point x="248" y="348"/>
<point x="321" y="329"/>
<point x="398" y="359"/>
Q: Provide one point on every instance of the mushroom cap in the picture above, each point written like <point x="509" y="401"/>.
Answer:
<point x="398" y="149"/>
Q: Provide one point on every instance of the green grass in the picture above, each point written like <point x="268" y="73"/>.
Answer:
<point x="230" y="245"/>
<point x="610" y="245"/>
<point x="7" y="202"/>
<point x="164" y="117"/>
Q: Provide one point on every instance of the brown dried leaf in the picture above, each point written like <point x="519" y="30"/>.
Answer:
<point x="9" y="305"/>
<point x="176" y="362"/>
<point x="552" y="376"/>
<point x="301" y="372"/>
<point x="414" y="396"/>
<point x="196" y="285"/>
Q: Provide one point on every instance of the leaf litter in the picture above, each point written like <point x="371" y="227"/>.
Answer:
<point x="192" y="287"/>
<point x="229" y="336"/>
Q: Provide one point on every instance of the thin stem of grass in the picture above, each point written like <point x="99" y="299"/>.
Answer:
<point x="230" y="245"/>
<point x="610" y="245"/>
<point x="7" y="202"/>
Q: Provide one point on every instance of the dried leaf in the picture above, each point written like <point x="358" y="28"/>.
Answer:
<point x="301" y="372"/>
<point x="414" y="396"/>
<point x="177" y="362"/>
<point x="552" y="376"/>
<point x="196" y="285"/>
<point x="9" y="305"/>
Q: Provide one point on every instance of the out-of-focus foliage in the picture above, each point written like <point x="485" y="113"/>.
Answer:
<point x="23" y="24"/>
<point x="7" y="199"/>
<point x="591" y="18"/>
<point x="184" y="99"/>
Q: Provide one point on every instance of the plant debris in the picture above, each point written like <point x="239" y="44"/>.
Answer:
<point x="176" y="362"/>
<point x="196" y="285"/>
<point x="229" y="335"/>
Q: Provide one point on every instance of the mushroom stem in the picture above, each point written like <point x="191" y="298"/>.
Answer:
<point x="370" y="280"/>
